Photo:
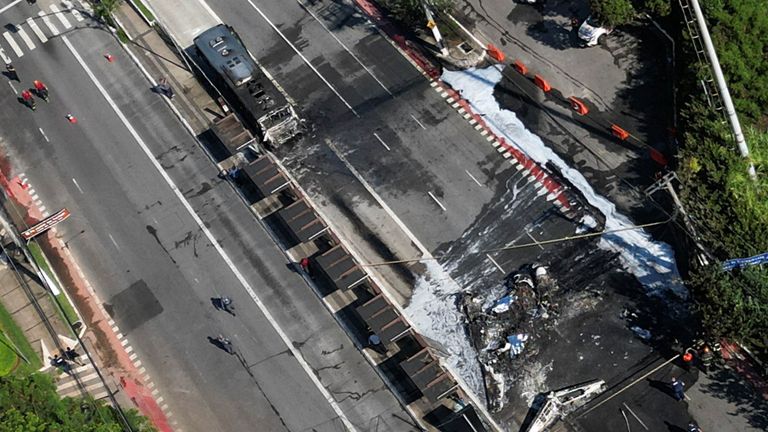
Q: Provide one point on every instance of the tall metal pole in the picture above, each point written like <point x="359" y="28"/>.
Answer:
<point x="432" y="24"/>
<point x="730" y="111"/>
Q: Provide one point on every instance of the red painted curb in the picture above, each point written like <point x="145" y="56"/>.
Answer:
<point x="374" y="13"/>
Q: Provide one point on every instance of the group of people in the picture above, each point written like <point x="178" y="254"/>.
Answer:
<point x="39" y="88"/>
<point x="63" y="359"/>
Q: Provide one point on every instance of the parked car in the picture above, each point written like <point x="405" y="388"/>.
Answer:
<point x="593" y="32"/>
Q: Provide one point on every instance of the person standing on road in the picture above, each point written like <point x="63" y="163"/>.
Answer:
<point x="226" y="305"/>
<point x="225" y="344"/>
<point x="26" y="96"/>
<point x="73" y="355"/>
<point x="12" y="74"/>
<point x="678" y="388"/>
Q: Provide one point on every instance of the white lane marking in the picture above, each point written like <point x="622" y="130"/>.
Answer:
<point x="5" y="57"/>
<point x="381" y="202"/>
<point x="382" y="141"/>
<point x="35" y="28"/>
<point x="296" y="50"/>
<point x="118" y="248"/>
<point x="78" y="186"/>
<point x="25" y="37"/>
<point x="75" y="13"/>
<point x="473" y="178"/>
<point x="47" y="20"/>
<point x="496" y="264"/>
<point x="306" y="8"/>
<point x="5" y="8"/>
<point x="212" y="239"/>
<point x="44" y="135"/>
<point x="12" y="87"/>
<point x="86" y="6"/>
<point x="417" y="121"/>
<point x="437" y="201"/>
<point x="13" y="44"/>
<point x="60" y="16"/>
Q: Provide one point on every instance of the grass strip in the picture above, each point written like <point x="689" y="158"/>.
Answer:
<point x="144" y="10"/>
<point x="11" y="332"/>
<point x="66" y="306"/>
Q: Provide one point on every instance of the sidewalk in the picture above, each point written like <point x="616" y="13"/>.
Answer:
<point x="161" y="61"/>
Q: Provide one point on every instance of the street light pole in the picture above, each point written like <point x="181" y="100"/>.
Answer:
<point x="730" y="111"/>
<point x="432" y="24"/>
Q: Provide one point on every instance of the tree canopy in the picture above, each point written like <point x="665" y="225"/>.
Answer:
<point x="729" y="208"/>
<point x="29" y="403"/>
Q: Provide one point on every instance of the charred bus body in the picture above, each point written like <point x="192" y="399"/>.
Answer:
<point x="255" y="97"/>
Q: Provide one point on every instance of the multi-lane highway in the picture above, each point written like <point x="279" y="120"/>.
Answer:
<point x="162" y="235"/>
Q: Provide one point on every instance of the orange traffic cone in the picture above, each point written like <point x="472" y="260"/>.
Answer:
<point x="110" y="58"/>
<point x="72" y="119"/>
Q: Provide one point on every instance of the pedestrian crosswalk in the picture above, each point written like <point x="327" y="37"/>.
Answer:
<point x="37" y="30"/>
<point x="89" y="382"/>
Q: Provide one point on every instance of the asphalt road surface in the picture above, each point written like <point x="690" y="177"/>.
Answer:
<point x="154" y="264"/>
<point x="441" y="179"/>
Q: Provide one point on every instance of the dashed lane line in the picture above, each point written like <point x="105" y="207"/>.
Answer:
<point x="437" y="201"/>
<point x="296" y="50"/>
<point x="473" y="178"/>
<point x="6" y="59"/>
<point x="60" y="15"/>
<point x="306" y="8"/>
<point x="36" y="29"/>
<point x="382" y="141"/>
<point x="78" y="186"/>
<point x="14" y="46"/>
<point x="417" y="121"/>
<point x="47" y="21"/>
<point x="25" y="37"/>
<point x="297" y="354"/>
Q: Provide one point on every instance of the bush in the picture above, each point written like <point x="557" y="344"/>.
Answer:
<point x="613" y="12"/>
<point x="730" y="209"/>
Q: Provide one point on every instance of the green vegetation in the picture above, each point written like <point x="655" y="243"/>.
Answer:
<point x="104" y="8"/>
<point x="29" y="403"/>
<point x="411" y="12"/>
<point x="620" y="12"/>
<point x="123" y="36"/>
<point x="144" y="10"/>
<point x="39" y="257"/>
<point x="730" y="209"/>
<point x="613" y="12"/>
<point x="12" y="339"/>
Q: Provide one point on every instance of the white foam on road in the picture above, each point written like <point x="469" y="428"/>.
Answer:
<point x="433" y="312"/>
<point x="652" y="262"/>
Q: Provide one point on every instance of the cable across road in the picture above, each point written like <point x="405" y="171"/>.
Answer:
<point x="525" y="245"/>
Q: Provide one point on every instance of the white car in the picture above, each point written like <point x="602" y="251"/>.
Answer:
<point x="592" y="32"/>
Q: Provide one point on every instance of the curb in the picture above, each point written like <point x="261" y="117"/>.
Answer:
<point x="557" y="192"/>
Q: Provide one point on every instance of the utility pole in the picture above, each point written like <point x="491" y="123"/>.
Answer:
<point x="433" y="26"/>
<point x="665" y="182"/>
<point x="730" y="111"/>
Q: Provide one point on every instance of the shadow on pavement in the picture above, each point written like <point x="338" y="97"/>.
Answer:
<point x="726" y="384"/>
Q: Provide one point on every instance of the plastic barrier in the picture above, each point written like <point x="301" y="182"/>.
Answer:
<point x="619" y="132"/>
<point x="520" y="67"/>
<point x="542" y="83"/>
<point x="495" y="53"/>
<point x="578" y="106"/>
<point x="658" y="157"/>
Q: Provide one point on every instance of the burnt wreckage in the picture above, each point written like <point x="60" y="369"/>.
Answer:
<point x="250" y="91"/>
